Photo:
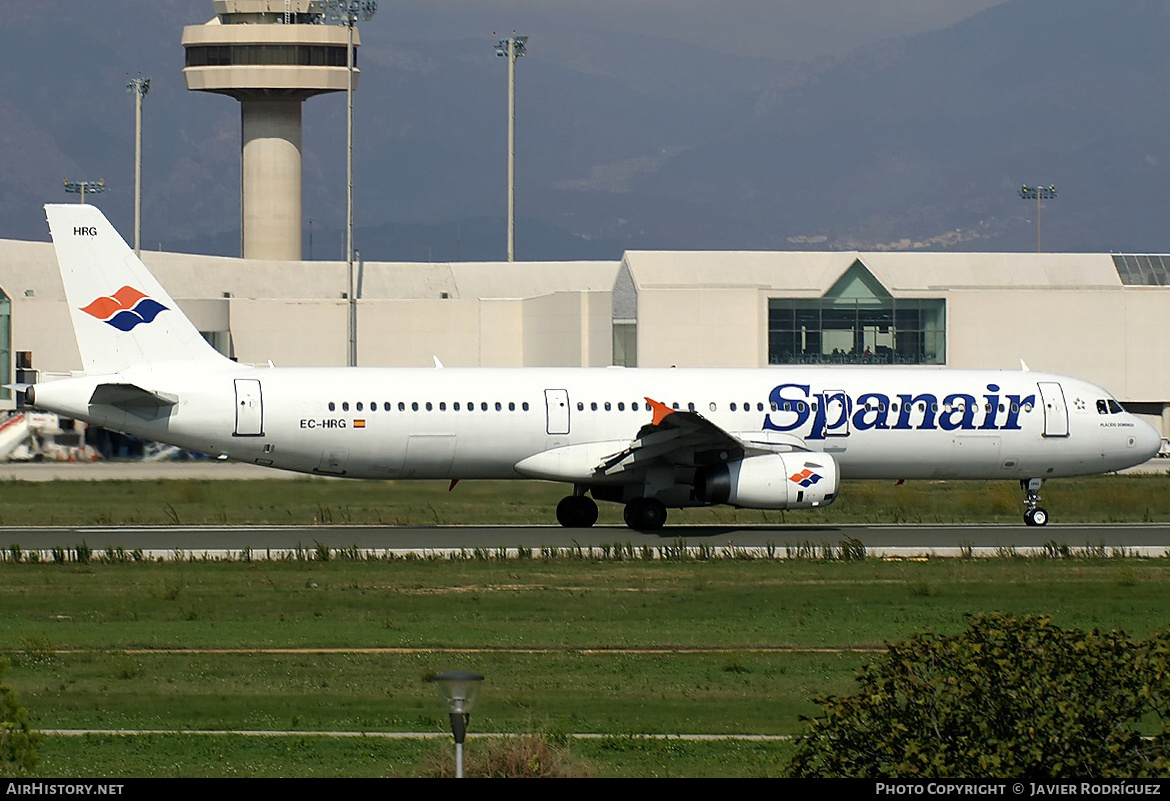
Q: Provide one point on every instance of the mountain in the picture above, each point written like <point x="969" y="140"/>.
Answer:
<point x="624" y="140"/>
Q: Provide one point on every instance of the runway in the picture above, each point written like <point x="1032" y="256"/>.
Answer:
<point x="906" y="541"/>
<point x="776" y="541"/>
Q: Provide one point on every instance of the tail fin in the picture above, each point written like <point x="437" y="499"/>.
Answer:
<point x="121" y="315"/>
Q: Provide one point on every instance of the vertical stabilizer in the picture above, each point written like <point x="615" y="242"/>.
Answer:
<point x="122" y="316"/>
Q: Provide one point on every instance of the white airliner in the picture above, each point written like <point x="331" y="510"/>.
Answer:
<point x="776" y="438"/>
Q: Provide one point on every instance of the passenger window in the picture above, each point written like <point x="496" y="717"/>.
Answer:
<point x="332" y="406"/>
<point x="345" y="406"/>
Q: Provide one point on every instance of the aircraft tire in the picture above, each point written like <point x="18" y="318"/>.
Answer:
<point x="1036" y="517"/>
<point x="645" y="514"/>
<point x="576" y="511"/>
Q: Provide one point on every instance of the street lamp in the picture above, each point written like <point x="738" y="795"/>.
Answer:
<point x="1037" y="193"/>
<point x="347" y="12"/>
<point x="139" y="87"/>
<point x="81" y="187"/>
<point x="512" y="48"/>
<point x="459" y="689"/>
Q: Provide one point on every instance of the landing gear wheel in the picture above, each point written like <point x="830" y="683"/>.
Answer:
<point x="1036" y="517"/>
<point x="576" y="511"/>
<point x="1034" y="513"/>
<point x="645" y="514"/>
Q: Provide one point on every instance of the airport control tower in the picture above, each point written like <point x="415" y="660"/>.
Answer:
<point x="271" y="55"/>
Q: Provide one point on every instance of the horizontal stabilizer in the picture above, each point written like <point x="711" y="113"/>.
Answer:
<point x="130" y="398"/>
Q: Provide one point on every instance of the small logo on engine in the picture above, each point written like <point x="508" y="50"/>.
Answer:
<point x="805" y="478"/>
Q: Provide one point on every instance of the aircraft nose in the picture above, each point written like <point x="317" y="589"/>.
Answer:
<point x="1149" y="440"/>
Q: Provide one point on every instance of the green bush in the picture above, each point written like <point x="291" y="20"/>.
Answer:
<point x="18" y="742"/>
<point x="1007" y="698"/>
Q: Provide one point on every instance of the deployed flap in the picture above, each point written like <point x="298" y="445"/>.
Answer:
<point x="683" y="437"/>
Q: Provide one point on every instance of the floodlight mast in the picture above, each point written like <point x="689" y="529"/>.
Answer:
<point x="139" y="87"/>
<point x="1037" y="193"/>
<point x="347" y="12"/>
<point x="512" y="48"/>
<point x="81" y="187"/>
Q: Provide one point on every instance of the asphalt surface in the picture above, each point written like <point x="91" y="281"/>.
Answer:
<point x="904" y="541"/>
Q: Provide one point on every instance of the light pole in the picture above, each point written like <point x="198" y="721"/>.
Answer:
<point x="81" y="187"/>
<point x="459" y="689"/>
<point x="139" y="87"/>
<point x="512" y="48"/>
<point x="1037" y="193"/>
<point x="347" y="12"/>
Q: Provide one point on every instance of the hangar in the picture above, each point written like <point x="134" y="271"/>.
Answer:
<point x="1101" y="317"/>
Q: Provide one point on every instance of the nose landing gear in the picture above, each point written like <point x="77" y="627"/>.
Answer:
<point x="1034" y="514"/>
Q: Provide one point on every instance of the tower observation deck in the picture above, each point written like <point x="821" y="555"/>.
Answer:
<point x="271" y="55"/>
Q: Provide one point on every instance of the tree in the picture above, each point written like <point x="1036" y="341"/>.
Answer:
<point x="18" y="741"/>
<point x="1008" y="697"/>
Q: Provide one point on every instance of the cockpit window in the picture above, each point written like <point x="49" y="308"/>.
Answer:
<point x="1115" y="407"/>
<point x="1102" y="406"/>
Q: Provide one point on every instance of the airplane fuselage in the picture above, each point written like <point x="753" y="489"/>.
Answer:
<point x="910" y="423"/>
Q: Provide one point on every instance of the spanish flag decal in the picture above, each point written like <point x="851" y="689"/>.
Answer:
<point x="359" y="423"/>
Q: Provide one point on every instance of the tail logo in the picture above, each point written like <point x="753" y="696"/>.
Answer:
<point x="125" y="309"/>
<point x="805" y="478"/>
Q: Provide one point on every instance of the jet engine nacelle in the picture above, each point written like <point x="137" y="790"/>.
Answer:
<point x="796" y="480"/>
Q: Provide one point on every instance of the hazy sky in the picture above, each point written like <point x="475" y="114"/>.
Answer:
<point x="791" y="29"/>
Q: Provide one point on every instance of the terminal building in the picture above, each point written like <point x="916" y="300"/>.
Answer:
<point x="1101" y="317"/>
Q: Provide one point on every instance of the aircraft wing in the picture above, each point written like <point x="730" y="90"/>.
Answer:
<point x="673" y="437"/>
<point x="687" y="438"/>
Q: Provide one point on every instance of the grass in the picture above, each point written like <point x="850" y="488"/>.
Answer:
<point x="568" y="646"/>
<point x="583" y="645"/>
<point x="1102" y="499"/>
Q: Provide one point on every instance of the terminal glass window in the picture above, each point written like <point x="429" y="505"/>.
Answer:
<point x="857" y="322"/>
<point x="625" y="344"/>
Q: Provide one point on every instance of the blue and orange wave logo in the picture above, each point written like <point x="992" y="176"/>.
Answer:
<point x="805" y="478"/>
<point x="125" y="309"/>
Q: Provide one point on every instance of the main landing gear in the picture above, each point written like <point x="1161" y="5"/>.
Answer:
<point x="645" y="514"/>
<point x="1034" y="513"/>
<point x="577" y="511"/>
<point x="641" y="514"/>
